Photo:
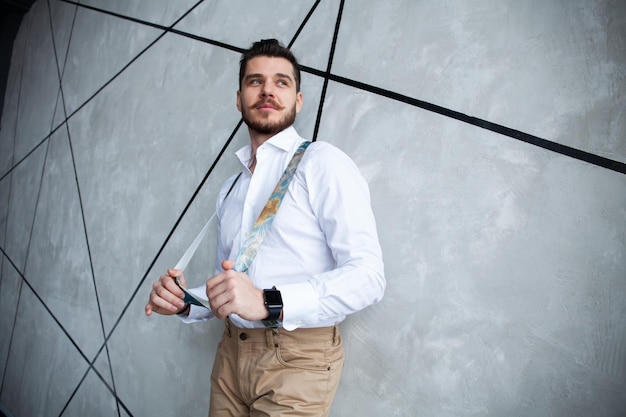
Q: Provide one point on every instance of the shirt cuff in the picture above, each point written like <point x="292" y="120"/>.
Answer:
<point x="300" y="305"/>
<point x="196" y="313"/>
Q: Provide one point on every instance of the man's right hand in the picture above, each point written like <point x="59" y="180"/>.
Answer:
<point x="166" y="297"/>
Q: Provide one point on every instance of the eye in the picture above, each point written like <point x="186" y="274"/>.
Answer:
<point x="282" y="83"/>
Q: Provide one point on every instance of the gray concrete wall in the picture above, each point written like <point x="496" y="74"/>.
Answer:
<point x="492" y="134"/>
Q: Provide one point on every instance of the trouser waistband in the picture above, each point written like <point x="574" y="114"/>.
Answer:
<point x="301" y="335"/>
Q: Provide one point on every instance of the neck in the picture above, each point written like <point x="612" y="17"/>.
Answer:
<point x="256" y="140"/>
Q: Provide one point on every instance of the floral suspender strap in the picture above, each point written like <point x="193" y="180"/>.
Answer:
<point x="262" y="225"/>
<point x="255" y="236"/>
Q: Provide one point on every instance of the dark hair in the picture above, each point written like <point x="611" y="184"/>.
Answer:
<point x="272" y="48"/>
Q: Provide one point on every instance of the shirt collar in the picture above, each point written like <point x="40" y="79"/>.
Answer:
<point x="283" y="140"/>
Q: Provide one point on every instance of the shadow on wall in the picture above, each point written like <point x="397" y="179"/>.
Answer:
<point x="4" y="412"/>
<point x="10" y="18"/>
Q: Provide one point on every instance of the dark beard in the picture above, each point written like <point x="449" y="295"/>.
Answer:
<point x="267" y="127"/>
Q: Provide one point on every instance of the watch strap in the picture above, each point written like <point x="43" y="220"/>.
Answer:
<point x="274" y="310"/>
<point x="271" y="323"/>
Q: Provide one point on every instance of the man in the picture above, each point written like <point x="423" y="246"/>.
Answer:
<point x="319" y="261"/>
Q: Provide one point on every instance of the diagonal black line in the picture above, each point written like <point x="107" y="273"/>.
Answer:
<point x="106" y="337"/>
<point x="303" y="24"/>
<point x="179" y="220"/>
<point x="164" y="244"/>
<point x="158" y="254"/>
<point x="133" y="19"/>
<point x="150" y="45"/>
<point x="33" y="220"/>
<point x="165" y="31"/>
<point x="327" y="73"/>
<point x="90" y="365"/>
<point x="17" y="304"/>
<point x="118" y="400"/>
<point x="69" y="44"/>
<point x="91" y="267"/>
<point x="328" y="76"/>
<point x="25" y="157"/>
<point x="44" y="305"/>
<point x="80" y="202"/>
<point x="171" y="233"/>
<point x="6" y="227"/>
<point x="485" y="124"/>
<point x="509" y="132"/>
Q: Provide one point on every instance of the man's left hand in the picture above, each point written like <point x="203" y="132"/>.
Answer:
<point x="232" y="292"/>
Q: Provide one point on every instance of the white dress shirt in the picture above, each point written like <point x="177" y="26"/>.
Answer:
<point x="322" y="250"/>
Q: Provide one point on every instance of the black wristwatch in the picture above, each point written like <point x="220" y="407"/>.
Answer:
<point x="273" y="303"/>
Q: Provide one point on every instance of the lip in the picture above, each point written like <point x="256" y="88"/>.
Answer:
<point x="266" y="106"/>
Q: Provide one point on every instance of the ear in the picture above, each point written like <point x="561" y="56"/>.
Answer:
<point x="239" y="100"/>
<point x="299" y="101"/>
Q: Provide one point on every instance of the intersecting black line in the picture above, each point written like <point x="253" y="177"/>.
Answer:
<point x="195" y="194"/>
<point x="327" y="76"/>
<point x="17" y="303"/>
<point x="163" y="28"/>
<point x="190" y="202"/>
<point x="32" y="223"/>
<point x="80" y="202"/>
<point x="183" y="213"/>
<point x="327" y="73"/>
<point x="23" y="280"/>
<point x="565" y="150"/>
<point x="6" y="228"/>
<point x="90" y="365"/>
<point x="178" y="221"/>
<point x="67" y="51"/>
<point x="575" y="153"/>
<point x="107" y="336"/>
<point x="193" y="197"/>
<point x="199" y="187"/>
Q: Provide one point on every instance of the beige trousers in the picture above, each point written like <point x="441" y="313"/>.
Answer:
<point x="274" y="372"/>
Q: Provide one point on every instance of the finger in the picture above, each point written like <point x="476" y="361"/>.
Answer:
<point x="178" y="273"/>
<point x="166" y="295"/>
<point x="219" y="306"/>
<point x="168" y="283"/>
<point x="175" y="273"/>
<point x="214" y="286"/>
<point x="160" y="305"/>
<point x="150" y="309"/>
<point x="215" y="280"/>
<point x="226" y="265"/>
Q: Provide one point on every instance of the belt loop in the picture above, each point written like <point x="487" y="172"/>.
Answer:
<point x="228" y="330"/>
<point x="270" y="338"/>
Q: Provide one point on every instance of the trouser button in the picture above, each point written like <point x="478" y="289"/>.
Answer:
<point x="243" y="336"/>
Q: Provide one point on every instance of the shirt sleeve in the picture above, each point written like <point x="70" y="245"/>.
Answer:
<point x="340" y="199"/>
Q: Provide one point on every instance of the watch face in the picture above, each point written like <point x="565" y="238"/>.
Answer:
<point x="273" y="297"/>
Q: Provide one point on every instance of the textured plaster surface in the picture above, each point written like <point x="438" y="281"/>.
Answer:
<point x="505" y="261"/>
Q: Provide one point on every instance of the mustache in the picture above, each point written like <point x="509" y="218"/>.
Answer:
<point x="267" y="101"/>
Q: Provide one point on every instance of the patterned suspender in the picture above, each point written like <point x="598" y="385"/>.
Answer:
<point x="254" y="238"/>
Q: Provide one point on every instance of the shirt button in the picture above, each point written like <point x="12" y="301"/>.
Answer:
<point x="243" y="336"/>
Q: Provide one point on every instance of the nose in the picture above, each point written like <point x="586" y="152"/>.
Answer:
<point x="267" y="90"/>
